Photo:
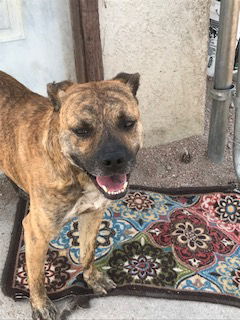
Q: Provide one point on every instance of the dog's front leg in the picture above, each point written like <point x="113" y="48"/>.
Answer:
<point x="37" y="234"/>
<point x="88" y="228"/>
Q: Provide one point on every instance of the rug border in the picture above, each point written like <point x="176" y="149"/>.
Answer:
<point x="141" y="291"/>
<point x="9" y="266"/>
<point x="129" y="290"/>
<point x="233" y="187"/>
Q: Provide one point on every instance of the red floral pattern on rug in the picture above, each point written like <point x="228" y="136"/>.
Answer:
<point x="224" y="210"/>
<point x="194" y="242"/>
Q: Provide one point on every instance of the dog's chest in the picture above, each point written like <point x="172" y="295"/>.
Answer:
<point x="91" y="200"/>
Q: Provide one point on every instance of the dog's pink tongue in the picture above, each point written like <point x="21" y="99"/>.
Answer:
<point x="112" y="183"/>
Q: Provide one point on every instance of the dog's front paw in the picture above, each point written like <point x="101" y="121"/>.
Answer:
<point x="47" y="312"/>
<point x="99" y="282"/>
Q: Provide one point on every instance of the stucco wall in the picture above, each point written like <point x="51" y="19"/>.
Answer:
<point x="45" y="54"/>
<point x="166" y="41"/>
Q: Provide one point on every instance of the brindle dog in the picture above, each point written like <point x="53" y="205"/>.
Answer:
<point x="72" y="153"/>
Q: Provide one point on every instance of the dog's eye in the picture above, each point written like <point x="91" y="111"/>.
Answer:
<point x="129" y="124"/>
<point x="82" y="132"/>
<point x="126" y="122"/>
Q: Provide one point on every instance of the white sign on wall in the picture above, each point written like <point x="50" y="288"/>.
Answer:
<point x="11" y="24"/>
<point x="213" y="35"/>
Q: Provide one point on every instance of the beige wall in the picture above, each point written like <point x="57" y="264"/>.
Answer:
<point x="45" y="51"/>
<point x="166" y="41"/>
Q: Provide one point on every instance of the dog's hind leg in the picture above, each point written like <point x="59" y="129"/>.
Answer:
<point x="37" y="235"/>
<point x="89" y="224"/>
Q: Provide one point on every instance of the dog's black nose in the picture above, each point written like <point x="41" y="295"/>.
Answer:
<point x="114" y="160"/>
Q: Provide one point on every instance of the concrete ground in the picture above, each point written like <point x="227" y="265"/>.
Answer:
<point x="160" y="166"/>
<point x="164" y="166"/>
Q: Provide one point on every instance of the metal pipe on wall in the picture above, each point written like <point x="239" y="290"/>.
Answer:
<point x="222" y="90"/>
<point x="236" y="139"/>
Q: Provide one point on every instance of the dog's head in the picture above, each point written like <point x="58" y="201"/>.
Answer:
<point x="100" y="129"/>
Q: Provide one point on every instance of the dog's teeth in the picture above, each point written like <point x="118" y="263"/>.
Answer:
<point x="115" y="192"/>
<point x="104" y="188"/>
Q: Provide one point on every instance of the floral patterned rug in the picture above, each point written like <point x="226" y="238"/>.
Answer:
<point x="183" y="246"/>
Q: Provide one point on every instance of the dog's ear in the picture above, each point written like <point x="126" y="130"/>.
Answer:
<point x="56" y="90"/>
<point x="132" y="80"/>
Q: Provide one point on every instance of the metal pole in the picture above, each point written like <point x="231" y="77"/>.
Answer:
<point x="221" y="93"/>
<point x="236" y="140"/>
<point x="238" y="77"/>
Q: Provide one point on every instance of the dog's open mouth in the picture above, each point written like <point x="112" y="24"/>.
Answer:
<point x="113" y="187"/>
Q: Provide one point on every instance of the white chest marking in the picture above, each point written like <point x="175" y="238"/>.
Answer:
<point x="92" y="199"/>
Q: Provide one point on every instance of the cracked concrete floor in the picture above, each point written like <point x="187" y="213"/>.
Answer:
<point x="159" y="166"/>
